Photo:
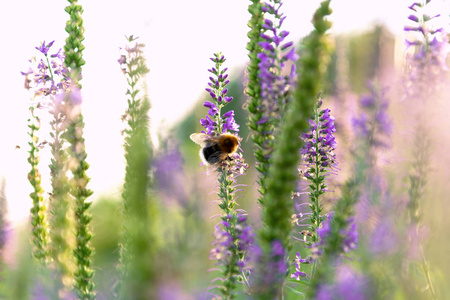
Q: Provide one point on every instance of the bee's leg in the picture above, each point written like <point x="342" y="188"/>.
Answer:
<point x="229" y="158"/>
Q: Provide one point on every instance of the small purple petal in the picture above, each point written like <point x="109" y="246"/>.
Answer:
<point x="228" y="99"/>
<point x="413" y="18"/>
<point x="228" y="114"/>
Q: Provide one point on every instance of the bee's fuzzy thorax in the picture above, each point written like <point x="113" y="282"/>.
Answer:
<point x="228" y="143"/>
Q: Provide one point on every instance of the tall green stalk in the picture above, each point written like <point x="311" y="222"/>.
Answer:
<point x="38" y="211"/>
<point x="261" y="133"/>
<point x="73" y="61"/>
<point x="138" y="242"/>
<point x="60" y="206"/>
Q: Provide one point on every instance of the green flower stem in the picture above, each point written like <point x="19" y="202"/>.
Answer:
<point x="426" y="271"/>
<point x="226" y="194"/>
<point x="316" y="188"/>
<point x="419" y="176"/>
<point x="139" y="244"/>
<point x="38" y="211"/>
<point x="343" y="210"/>
<point x="49" y="68"/>
<point x="262" y="140"/>
<point x="418" y="180"/>
<point x="424" y="89"/>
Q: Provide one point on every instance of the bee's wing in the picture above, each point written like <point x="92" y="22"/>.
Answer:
<point x="216" y="157"/>
<point x="200" y="138"/>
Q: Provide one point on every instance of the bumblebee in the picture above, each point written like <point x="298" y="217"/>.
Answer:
<point x="216" y="149"/>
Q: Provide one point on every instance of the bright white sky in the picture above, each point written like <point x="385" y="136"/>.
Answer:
<point x="180" y="36"/>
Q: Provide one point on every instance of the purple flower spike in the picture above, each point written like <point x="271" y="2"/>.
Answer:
<point x="350" y="237"/>
<point x="319" y="146"/>
<point x="48" y="77"/>
<point x="373" y="124"/>
<point x="427" y="54"/>
<point x="214" y="123"/>
<point x="224" y="244"/>
<point x="272" y="61"/>
<point x="367" y="101"/>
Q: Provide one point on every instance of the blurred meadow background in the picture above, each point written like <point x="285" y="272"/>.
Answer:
<point x="368" y="53"/>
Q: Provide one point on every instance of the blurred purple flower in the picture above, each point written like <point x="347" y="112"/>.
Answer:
<point x="169" y="174"/>
<point x="431" y="45"/>
<point x="325" y="292"/>
<point x="373" y="125"/>
<point x="170" y="290"/>
<point x="75" y="95"/>
<point x="324" y="230"/>
<point x="349" y="236"/>
<point x="384" y="240"/>
<point x="272" y="270"/>
<point x="122" y="60"/>
<point x="348" y="285"/>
